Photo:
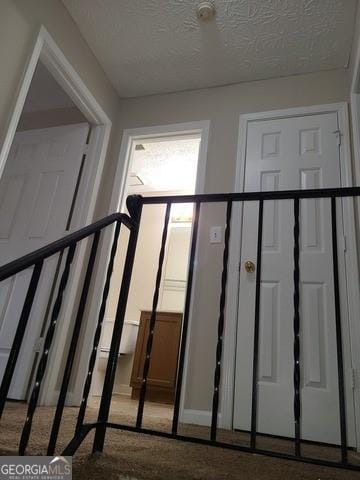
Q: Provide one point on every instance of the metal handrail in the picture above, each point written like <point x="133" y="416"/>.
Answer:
<point x="36" y="259"/>
<point x="253" y="196"/>
<point x="26" y="261"/>
<point x="295" y="196"/>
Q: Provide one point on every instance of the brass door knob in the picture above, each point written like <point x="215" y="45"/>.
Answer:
<point x="250" y="266"/>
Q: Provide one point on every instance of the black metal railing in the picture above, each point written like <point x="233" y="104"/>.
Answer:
<point x="35" y="260"/>
<point x="132" y="222"/>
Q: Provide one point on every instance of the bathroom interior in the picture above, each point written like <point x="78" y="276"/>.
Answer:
<point x="157" y="166"/>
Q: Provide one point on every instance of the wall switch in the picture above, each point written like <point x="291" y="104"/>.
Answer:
<point x="215" y="235"/>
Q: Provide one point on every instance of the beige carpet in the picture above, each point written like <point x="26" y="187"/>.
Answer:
<point x="137" y="456"/>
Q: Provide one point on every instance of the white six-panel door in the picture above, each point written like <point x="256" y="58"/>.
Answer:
<point x="36" y="192"/>
<point x="285" y="154"/>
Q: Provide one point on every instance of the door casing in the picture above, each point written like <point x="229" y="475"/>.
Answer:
<point x="350" y="307"/>
<point x="130" y="136"/>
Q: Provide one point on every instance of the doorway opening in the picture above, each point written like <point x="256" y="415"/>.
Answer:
<point x="166" y="165"/>
<point x="51" y="162"/>
<point x="38" y="189"/>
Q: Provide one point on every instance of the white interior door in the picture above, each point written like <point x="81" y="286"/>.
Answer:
<point x="285" y="154"/>
<point x="36" y="193"/>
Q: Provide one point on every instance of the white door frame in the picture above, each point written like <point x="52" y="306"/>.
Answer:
<point x="353" y="298"/>
<point x="130" y="136"/>
<point x="46" y="50"/>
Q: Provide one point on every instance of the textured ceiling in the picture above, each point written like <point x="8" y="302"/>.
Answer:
<point x="45" y="93"/>
<point x="166" y="165"/>
<point x="156" y="46"/>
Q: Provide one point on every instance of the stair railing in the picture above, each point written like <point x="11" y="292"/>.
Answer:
<point x="132" y="222"/>
<point x="35" y="260"/>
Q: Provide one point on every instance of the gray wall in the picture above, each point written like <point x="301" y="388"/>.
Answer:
<point x="222" y="106"/>
<point x="20" y="22"/>
<point x="355" y="49"/>
<point x="50" y="118"/>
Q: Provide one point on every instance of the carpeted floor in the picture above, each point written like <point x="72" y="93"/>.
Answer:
<point x="137" y="456"/>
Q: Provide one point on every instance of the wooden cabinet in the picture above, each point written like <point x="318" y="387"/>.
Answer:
<point x="164" y="356"/>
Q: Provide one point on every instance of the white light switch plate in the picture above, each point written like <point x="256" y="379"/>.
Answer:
<point x="215" y="234"/>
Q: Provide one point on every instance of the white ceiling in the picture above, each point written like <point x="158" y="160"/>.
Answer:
<point x="165" y="166"/>
<point x="156" y="46"/>
<point x="45" y="93"/>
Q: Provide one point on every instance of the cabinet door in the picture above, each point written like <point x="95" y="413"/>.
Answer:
<point x="164" y="355"/>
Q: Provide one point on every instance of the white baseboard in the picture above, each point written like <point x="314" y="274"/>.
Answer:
<point x="53" y="399"/>
<point x="198" y="417"/>
<point x="122" y="389"/>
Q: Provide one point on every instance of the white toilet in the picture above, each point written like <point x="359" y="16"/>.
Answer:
<point x="128" y="338"/>
<point x="127" y="347"/>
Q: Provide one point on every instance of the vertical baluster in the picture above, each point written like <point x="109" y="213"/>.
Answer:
<point x="341" y="382"/>
<point x="297" y="400"/>
<point x="217" y="375"/>
<point x="153" y="319"/>
<point x="97" y="335"/>
<point x="134" y="204"/>
<point x="44" y="358"/>
<point x="185" y="322"/>
<point x="256" y="329"/>
<point x="19" y="335"/>
<point x="73" y="345"/>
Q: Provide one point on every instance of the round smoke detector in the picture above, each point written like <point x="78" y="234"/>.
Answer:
<point x="205" y="10"/>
